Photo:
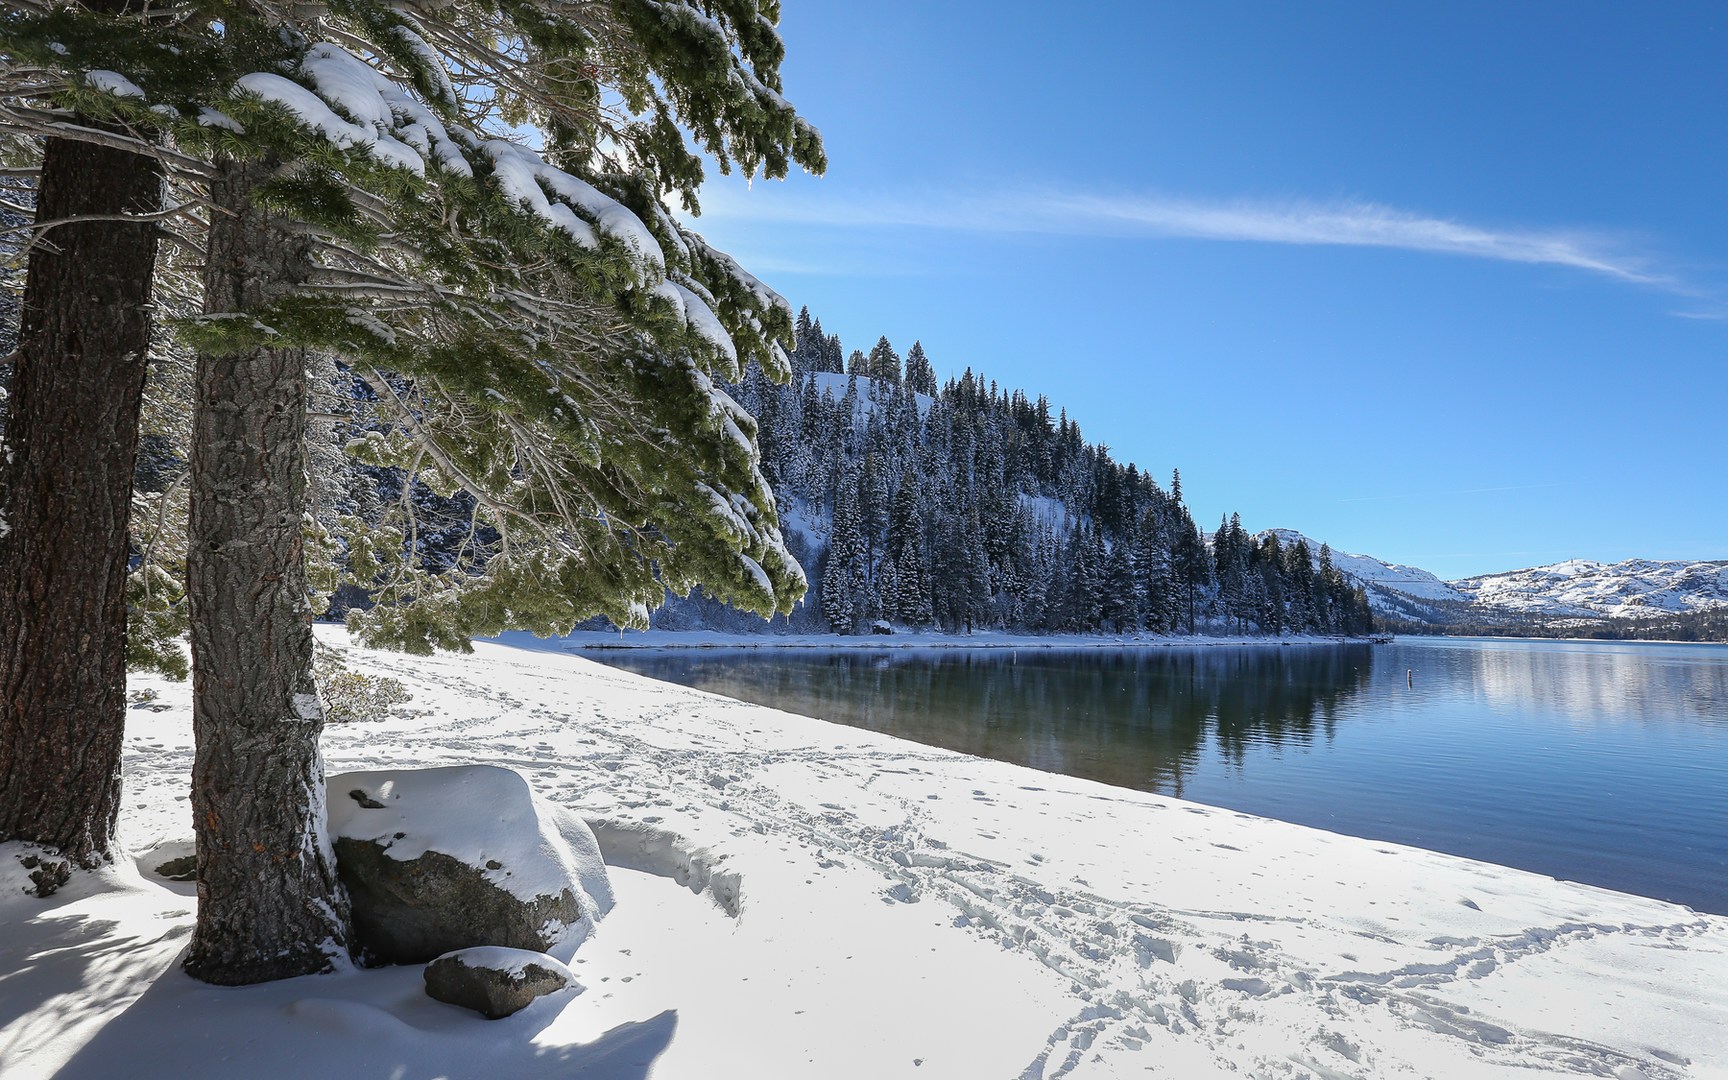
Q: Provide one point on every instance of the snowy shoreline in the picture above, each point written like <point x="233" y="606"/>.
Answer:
<point x="798" y="898"/>
<point x="584" y="640"/>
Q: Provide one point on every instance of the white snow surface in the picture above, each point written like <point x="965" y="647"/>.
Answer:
<point x="1049" y="512"/>
<point x="1582" y="588"/>
<point x="801" y="899"/>
<point x="828" y="382"/>
<point x="480" y="815"/>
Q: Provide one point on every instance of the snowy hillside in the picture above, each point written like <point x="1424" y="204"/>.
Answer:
<point x="1392" y="588"/>
<point x="1585" y="589"/>
<point x="830" y="382"/>
<point x="1577" y="588"/>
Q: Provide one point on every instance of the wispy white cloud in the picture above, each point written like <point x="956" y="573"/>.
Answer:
<point x="1438" y="494"/>
<point x="1348" y="223"/>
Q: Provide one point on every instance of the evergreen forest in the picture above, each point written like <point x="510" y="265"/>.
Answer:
<point x="965" y="506"/>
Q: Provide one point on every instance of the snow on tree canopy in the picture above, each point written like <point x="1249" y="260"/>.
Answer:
<point x="112" y="82"/>
<point x="387" y="121"/>
<point x="348" y="84"/>
<point x="766" y="298"/>
<point x="312" y="111"/>
<point x="756" y="572"/>
<point x="704" y="322"/>
<point x="429" y="58"/>
<point x="208" y="117"/>
<point x="521" y="173"/>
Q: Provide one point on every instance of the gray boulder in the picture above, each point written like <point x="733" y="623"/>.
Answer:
<point x="495" y="982"/>
<point x="407" y="912"/>
<point x="438" y="860"/>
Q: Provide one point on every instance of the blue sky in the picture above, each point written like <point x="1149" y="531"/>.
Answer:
<point x="1444" y="284"/>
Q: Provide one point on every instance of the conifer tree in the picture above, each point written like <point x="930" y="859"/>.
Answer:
<point x="833" y="353"/>
<point x="883" y="363"/>
<point x="1192" y="571"/>
<point x="843" y="574"/>
<point x="66" y="483"/>
<point x="920" y="376"/>
<point x="1121" y="604"/>
<point x="553" y="324"/>
<point x="912" y="581"/>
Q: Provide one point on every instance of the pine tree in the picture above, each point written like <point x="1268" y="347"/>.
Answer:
<point x="807" y="343"/>
<point x="883" y="363"/>
<point x="843" y="576"/>
<point x="66" y="493"/>
<point x="1155" y="578"/>
<point x="1121" y="603"/>
<point x="912" y="581"/>
<point x="920" y="376"/>
<point x="553" y="325"/>
<point x="1191" y="569"/>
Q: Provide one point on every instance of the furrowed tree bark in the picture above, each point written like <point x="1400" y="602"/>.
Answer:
<point x="269" y="903"/>
<point x="66" y="500"/>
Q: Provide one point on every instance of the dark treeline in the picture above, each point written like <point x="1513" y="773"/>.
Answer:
<point x="1707" y="625"/>
<point x="967" y="506"/>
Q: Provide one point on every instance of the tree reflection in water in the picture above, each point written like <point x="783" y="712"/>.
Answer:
<point x="1133" y="717"/>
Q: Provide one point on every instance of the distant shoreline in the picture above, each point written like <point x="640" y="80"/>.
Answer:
<point x="585" y="641"/>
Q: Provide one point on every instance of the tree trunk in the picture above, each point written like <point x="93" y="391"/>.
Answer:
<point x="269" y="903"/>
<point x="66" y="500"/>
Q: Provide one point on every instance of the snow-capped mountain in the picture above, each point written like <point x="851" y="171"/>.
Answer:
<point x="1406" y="592"/>
<point x="1367" y="570"/>
<point x="1585" y="589"/>
<point x="1577" y="588"/>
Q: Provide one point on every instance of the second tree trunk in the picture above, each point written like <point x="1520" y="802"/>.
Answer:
<point x="269" y="902"/>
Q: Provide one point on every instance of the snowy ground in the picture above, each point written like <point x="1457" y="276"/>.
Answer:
<point x="808" y="900"/>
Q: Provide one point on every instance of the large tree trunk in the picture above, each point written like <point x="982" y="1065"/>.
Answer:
<point x="269" y="903"/>
<point x="66" y="499"/>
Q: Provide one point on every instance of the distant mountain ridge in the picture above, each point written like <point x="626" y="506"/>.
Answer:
<point x="1623" y="590"/>
<point x="1575" y="589"/>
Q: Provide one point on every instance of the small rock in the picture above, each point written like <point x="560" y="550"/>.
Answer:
<point x="185" y="868"/>
<point x="493" y="981"/>
<point x="47" y="874"/>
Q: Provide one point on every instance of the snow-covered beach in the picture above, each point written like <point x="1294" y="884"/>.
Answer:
<point x="797" y="898"/>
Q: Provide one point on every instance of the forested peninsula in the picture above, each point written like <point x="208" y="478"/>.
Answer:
<point x="963" y="506"/>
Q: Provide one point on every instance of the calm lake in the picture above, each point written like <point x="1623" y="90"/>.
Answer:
<point x="1605" y="763"/>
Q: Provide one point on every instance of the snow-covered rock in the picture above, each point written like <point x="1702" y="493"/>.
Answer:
<point x="494" y="981"/>
<point x="436" y="860"/>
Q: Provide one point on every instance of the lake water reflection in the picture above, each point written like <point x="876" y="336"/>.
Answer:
<point x="1604" y="763"/>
